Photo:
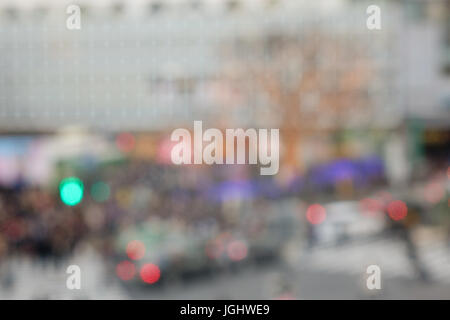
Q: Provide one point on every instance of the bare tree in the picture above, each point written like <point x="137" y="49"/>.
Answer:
<point x="311" y="82"/>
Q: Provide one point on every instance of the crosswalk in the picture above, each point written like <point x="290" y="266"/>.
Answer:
<point x="26" y="278"/>
<point x="389" y="253"/>
<point x="48" y="281"/>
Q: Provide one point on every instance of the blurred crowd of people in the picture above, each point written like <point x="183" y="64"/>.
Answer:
<point x="34" y="221"/>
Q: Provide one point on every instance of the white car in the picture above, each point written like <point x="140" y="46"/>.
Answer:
<point x="345" y="220"/>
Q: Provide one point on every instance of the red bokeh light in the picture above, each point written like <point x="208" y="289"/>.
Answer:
<point x="316" y="214"/>
<point x="150" y="273"/>
<point x="164" y="151"/>
<point x="237" y="250"/>
<point x="135" y="250"/>
<point x="125" y="142"/>
<point x="397" y="210"/>
<point x="126" y="270"/>
<point x="434" y="192"/>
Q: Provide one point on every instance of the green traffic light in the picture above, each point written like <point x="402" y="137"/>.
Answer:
<point x="71" y="191"/>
